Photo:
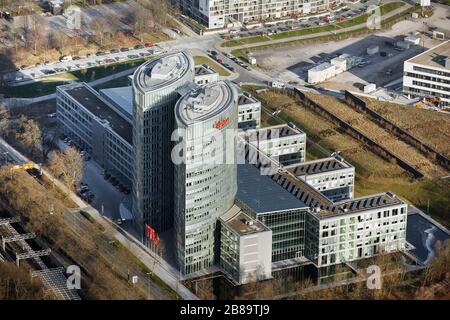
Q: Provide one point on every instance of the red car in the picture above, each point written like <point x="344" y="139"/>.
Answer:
<point x="149" y="45"/>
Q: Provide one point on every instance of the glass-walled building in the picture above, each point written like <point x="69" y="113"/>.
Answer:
<point x="205" y="171"/>
<point x="155" y="91"/>
<point x="262" y="198"/>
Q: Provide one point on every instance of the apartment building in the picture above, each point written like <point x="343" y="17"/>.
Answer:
<point x="217" y="13"/>
<point x="333" y="177"/>
<point x="427" y="75"/>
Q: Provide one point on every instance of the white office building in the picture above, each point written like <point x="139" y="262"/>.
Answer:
<point x="358" y="229"/>
<point x="283" y="143"/>
<point x="245" y="247"/>
<point x="333" y="177"/>
<point x="249" y="111"/>
<point x="427" y="75"/>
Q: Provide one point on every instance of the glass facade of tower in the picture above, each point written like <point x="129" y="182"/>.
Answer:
<point x="155" y="92"/>
<point x="205" y="178"/>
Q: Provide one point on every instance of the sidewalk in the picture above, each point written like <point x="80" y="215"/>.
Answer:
<point x="163" y="270"/>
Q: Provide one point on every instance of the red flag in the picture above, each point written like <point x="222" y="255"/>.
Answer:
<point x="149" y="232"/>
<point x="156" y="240"/>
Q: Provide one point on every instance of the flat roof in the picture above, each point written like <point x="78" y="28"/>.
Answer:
<point x="261" y="194"/>
<point x="163" y="70"/>
<point x="241" y="223"/>
<point x="201" y="70"/>
<point x="319" y="166"/>
<point x="122" y="97"/>
<point x="205" y="102"/>
<point x="434" y="57"/>
<point x="321" y="67"/>
<point x="98" y="107"/>
<point x="267" y="133"/>
<point x="245" y="98"/>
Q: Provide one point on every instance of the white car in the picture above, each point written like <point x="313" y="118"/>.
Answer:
<point x="65" y="58"/>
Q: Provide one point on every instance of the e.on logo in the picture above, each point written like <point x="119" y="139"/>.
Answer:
<point x="221" y="123"/>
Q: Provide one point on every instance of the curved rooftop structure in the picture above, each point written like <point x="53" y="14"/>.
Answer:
<point x="163" y="71"/>
<point x="205" y="102"/>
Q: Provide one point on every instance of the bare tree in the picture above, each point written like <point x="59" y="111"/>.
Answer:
<point x="28" y="133"/>
<point x="4" y="120"/>
<point x="68" y="165"/>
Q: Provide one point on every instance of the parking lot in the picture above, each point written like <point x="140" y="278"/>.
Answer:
<point x="99" y="190"/>
<point x="271" y="28"/>
<point x="291" y="64"/>
<point x="27" y="74"/>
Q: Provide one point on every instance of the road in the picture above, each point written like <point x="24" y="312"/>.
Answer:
<point x="168" y="274"/>
<point x="314" y="35"/>
<point x="31" y="74"/>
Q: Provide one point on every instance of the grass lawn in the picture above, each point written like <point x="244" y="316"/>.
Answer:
<point x="212" y="64"/>
<point x="373" y="174"/>
<point x="246" y="40"/>
<point x="48" y="84"/>
<point x="119" y="82"/>
<point x="302" y="32"/>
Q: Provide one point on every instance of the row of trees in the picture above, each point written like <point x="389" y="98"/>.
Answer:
<point x="66" y="165"/>
<point x="18" y="40"/>
<point x="45" y="210"/>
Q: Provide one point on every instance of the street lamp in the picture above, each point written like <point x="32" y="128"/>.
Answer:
<point x="149" y="278"/>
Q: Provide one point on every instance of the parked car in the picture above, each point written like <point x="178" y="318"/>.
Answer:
<point x="139" y="46"/>
<point x="149" y="45"/>
<point x="114" y="51"/>
<point x="65" y="58"/>
<point x="124" y="49"/>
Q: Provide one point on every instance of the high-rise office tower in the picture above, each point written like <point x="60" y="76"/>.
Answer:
<point x="156" y="86"/>
<point x="205" y="172"/>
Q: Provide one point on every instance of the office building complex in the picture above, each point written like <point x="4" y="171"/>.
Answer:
<point x="359" y="229"/>
<point x="313" y="228"/>
<point x="427" y="75"/>
<point x="218" y="13"/>
<point x="245" y="247"/>
<point x="98" y="127"/>
<point x="205" y="171"/>
<point x="156" y="86"/>
<point x="333" y="177"/>
<point x="249" y="111"/>
<point x="285" y="144"/>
